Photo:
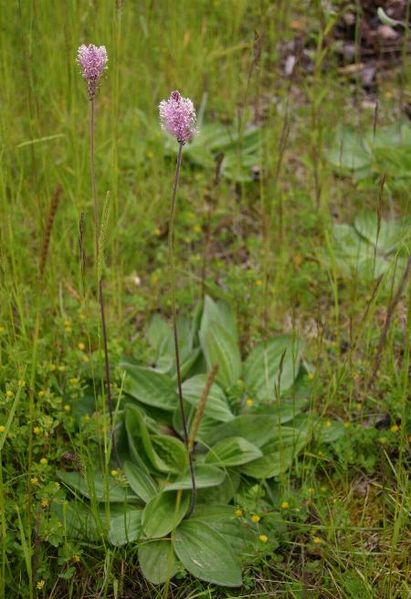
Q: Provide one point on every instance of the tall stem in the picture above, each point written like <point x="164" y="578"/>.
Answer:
<point x="175" y="331"/>
<point x="97" y="255"/>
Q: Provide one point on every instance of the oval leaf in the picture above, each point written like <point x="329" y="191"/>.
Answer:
<point x="206" y="554"/>
<point x="96" y="487"/>
<point x="164" y="513"/>
<point x="273" y="366"/>
<point x="157" y="561"/>
<point x="233" y="451"/>
<point x="206" y="476"/>
<point x="140" y="481"/>
<point x="150" y="387"/>
<point x="125" y="526"/>
<point x="216" y="406"/>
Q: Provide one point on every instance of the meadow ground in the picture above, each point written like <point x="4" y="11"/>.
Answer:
<point x="305" y="232"/>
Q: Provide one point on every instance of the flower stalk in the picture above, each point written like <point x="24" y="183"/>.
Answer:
<point x="178" y="117"/>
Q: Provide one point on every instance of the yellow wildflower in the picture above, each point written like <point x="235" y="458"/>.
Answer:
<point x="44" y="461"/>
<point x="317" y="540"/>
<point x="81" y="346"/>
<point x="9" y="394"/>
<point x="2" y="428"/>
<point x="34" y="480"/>
<point x="285" y="505"/>
<point x="263" y="538"/>
<point x="238" y="512"/>
<point x="67" y="407"/>
<point x="249" y="402"/>
<point x="40" y="584"/>
<point x="115" y="472"/>
<point x="395" y="428"/>
<point x="36" y="430"/>
<point x="255" y="518"/>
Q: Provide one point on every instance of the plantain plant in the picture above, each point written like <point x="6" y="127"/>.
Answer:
<point x="246" y="426"/>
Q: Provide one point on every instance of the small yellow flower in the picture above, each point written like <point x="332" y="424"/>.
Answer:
<point x="395" y="428"/>
<point x="34" y="480"/>
<point x="115" y="472"/>
<point x="36" y="430"/>
<point x="285" y="505"/>
<point x="21" y="383"/>
<point x="66" y="407"/>
<point x="255" y="518"/>
<point x="249" y="402"/>
<point x="42" y="393"/>
<point x="9" y="394"/>
<point x="40" y="584"/>
<point x="238" y="512"/>
<point x="74" y="381"/>
<point x="258" y="283"/>
<point x="317" y="540"/>
<point x="263" y="538"/>
<point x="76" y="558"/>
<point x="311" y="376"/>
<point x="44" y="503"/>
<point x="81" y="346"/>
<point x="62" y="368"/>
<point x="86" y="358"/>
<point x="44" y="461"/>
<point x="382" y="440"/>
<point x="2" y="428"/>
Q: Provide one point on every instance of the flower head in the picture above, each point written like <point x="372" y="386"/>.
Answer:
<point x="93" y="62"/>
<point x="178" y="117"/>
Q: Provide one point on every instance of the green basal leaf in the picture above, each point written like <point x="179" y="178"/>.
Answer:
<point x="206" y="475"/>
<point x="256" y="428"/>
<point x="78" y="520"/>
<point x="150" y="387"/>
<point x="233" y="451"/>
<point x="164" y="513"/>
<point x="157" y="561"/>
<point x="95" y="486"/>
<point x="206" y="554"/>
<point x="385" y="235"/>
<point x="217" y="405"/>
<point x="171" y="452"/>
<point x="273" y="366"/>
<point x="279" y="453"/>
<point x="223" y="493"/>
<point x="220" y="348"/>
<point x="125" y="525"/>
<point x="219" y="342"/>
<point x="221" y="518"/>
<point x="161" y="452"/>
<point x="140" y="481"/>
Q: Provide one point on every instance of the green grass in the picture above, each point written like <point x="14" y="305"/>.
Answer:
<point x="345" y="531"/>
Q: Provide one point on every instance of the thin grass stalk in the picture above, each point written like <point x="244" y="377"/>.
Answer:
<point x="171" y="244"/>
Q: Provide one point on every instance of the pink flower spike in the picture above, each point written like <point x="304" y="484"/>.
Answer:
<point x="178" y="117"/>
<point x="93" y="62"/>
